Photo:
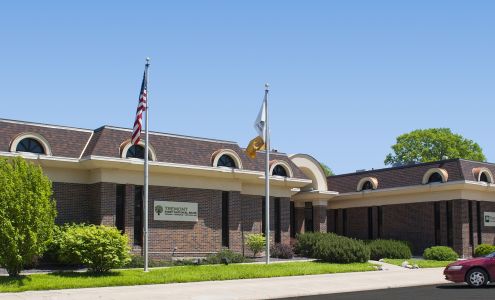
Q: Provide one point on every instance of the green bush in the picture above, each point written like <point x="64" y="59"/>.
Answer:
<point x="225" y="256"/>
<point x="305" y="243"/>
<point x="483" y="249"/>
<point x="339" y="249"/>
<point x="388" y="249"/>
<point x="27" y="214"/>
<point x="440" y="253"/>
<point x="100" y="248"/>
<point x="255" y="242"/>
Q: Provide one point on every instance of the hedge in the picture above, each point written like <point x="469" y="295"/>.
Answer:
<point x="483" y="249"/>
<point x="339" y="249"/>
<point x="440" y="253"/>
<point x="389" y="249"/>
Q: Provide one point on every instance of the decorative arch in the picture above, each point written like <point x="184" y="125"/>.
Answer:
<point x="283" y="164"/>
<point x="231" y="153"/>
<point x="372" y="180"/>
<point x="312" y="169"/>
<point x="31" y="135"/>
<point x="481" y="172"/>
<point x="127" y="144"/>
<point x="442" y="172"/>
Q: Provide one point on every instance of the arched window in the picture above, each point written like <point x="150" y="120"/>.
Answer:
<point x="435" y="177"/>
<point x="367" y="183"/>
<point x="483" y="174"/>
<point x="30" y="145"/>
<point x="137" y="151"/>
<point x="278" y="170"/>
<point x="226" y="161"/>
<point x="367" y="186"/>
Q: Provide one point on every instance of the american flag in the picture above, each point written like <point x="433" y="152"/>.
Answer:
<point x="138" y="123"/>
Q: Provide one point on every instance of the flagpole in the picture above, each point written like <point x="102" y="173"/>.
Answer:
<point x="145" y="202"/>
<point x="267" y="178"/>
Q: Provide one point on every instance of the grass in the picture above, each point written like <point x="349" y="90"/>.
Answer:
<point x="422" y="263"/>
<point x="67" y="280"/>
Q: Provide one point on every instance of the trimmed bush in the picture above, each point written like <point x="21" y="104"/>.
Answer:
<point x="440" y="253"/>
<point x="339" y="249"/>
<point x="483" y="249"/>
<point x="100" y="248"/>
<point x="306" y="242"/>
<point x="388" y="249"/>
<point x="225" y="256"/>
<point x="281" y="251"/>
<point x="255" y="242"/>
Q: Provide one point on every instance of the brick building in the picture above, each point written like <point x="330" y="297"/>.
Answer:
<point x="98" y="175"/>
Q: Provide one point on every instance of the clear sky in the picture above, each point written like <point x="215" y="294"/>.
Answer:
<point x="346" y="77"/>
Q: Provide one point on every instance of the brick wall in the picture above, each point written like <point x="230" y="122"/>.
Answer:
<point x="72" y="203"/>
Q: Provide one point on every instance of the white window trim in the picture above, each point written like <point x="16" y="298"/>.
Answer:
<point x="128" y="145"/>
<point x="284" y="165"/>
<point x="362" y="181"/>
<point x="31" y="135"/>
<point x="478" y="171"/>
<point x="217" y="154"/>
<point x="443" y="173"/>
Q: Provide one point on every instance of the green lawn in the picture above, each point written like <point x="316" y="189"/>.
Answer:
<point x="174" y="274"/>
<point x="422" y="263"/>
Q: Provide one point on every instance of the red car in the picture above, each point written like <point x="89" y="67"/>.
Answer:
<point x="477" y="272"/>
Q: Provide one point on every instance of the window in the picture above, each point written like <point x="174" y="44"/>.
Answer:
<point x="450" y="225"/>
<point x="226" y="161"/>
<point x="344" y="222"/>
<point x="30" y="145"/>
<point x="292" y="220"/>
<point x="138" y="216"/>
<point x="263" y="212"/>
<point x="308" y="217"/>
<point x="278" y="231"/>
<point x="478" y="221"/>
<point x="225" y="219"/>
<point x="278" y="170"/>
<point x="370" y="223"/>
<point x="380" y="221"/>
<point x="435" y="177"/>
<point x="483" y="177"/>
<point x="120" y="208"/>
<point x="471" y="225"/>
<point x="367" y="186"/>
<point x="137" y="151"/>
<point x="436" y="211"/>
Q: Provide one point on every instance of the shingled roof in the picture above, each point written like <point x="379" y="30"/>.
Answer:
<point x="409" y="175"/>
<point x="106" y="141"/>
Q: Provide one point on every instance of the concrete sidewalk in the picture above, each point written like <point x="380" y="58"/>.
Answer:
<point x="266" y="288"/>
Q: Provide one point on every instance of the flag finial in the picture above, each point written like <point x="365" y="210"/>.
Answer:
<point x="267" y="86"/>
<point x="148" y="60"/>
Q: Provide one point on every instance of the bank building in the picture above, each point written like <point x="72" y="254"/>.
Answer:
<point x="206" y="194"/>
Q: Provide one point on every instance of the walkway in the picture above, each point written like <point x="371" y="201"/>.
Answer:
<point x="266" y="288"/>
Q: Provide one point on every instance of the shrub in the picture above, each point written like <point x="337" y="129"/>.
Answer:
<point x="440" y="253"/>
<point x="225" y="256"/>
<point x="255" y="242"/>
<point x="281" y="251"/>
<point x="137" y="261"/>
<point x="339" y="249"/>
<point x="305" y="243"/>
<point x="388" y="249"/>
<point x="483" y="249"/>
<point x="100" y="248"/>
<point x="27" y="214"/>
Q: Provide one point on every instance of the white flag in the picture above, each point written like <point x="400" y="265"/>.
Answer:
<point x="260" y="123"/>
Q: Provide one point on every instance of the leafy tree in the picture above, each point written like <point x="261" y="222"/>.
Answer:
<point x="424" y="145"/>
<point x="27" y="213"/>
<point x="255" y="242"/>
<point x="327" y="170"/>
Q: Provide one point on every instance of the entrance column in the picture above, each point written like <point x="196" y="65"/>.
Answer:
<point x="299" y="217"/>
<point x="320" y="216"/>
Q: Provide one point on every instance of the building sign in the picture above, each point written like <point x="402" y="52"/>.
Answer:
<point x="489" y="219"/>
<point x="175" y="211"/>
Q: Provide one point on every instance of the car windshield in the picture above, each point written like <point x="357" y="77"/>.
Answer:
<point x="491" y="255"/>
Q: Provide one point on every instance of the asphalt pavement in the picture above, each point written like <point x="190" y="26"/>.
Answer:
<point x="433" y="292"/>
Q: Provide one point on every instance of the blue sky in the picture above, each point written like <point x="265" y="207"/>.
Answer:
<point x="346" y="77"/>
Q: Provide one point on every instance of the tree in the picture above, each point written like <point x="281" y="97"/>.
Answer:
<point x="424" y="145"/>
<point x="27" y="213"/>
<point x="326" y="169"/>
